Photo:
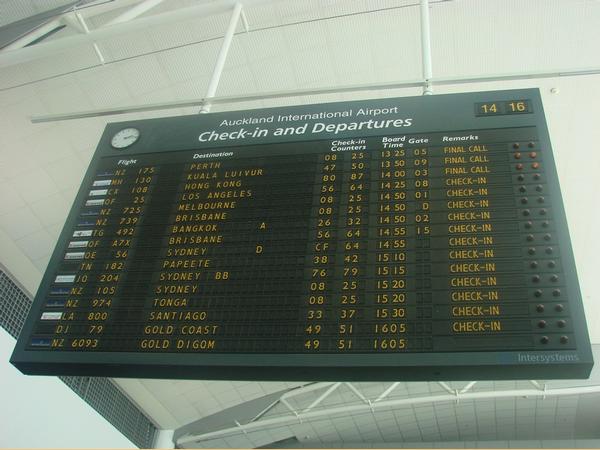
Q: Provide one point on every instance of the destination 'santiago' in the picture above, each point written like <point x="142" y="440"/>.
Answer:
<point x="180" y="318"/>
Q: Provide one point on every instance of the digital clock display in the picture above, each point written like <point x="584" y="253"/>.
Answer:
<point x="296" y="243"/>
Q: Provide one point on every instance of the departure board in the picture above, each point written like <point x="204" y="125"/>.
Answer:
<point x="419" y="238"/>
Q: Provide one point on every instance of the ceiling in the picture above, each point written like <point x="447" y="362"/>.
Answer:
<point x="455" y="423"/>
<point x="292" y="44"/>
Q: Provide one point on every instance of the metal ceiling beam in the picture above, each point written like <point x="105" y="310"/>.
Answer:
<point x="134" y="11"/>
<point x="45" y="49"/>
<point x="63" y="17"/>
<point x="372" y="406"/>
<point x="322" y="397"/>
<point x="86" y="30"/>
<point x="70" y="19"/>
<point x="356" y="392"/>
<point x="222" y="57"/>
<point x="468" y="387"/>
<point x="313" y="91"/>
<point x="426" y="47"/>
<point x="387" y="392"/>
<point x="37" y="33"/>
<point x="75" y="19"/>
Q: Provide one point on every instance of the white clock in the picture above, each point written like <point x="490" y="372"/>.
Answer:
<point x="125" y="137"/>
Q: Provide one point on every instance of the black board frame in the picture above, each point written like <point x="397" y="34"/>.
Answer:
<point x="451" y="112"/>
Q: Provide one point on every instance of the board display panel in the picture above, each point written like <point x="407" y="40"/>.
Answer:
<point x="419" y="238"/>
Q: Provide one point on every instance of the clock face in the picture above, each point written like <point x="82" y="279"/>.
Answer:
<point x="125" y="137"/>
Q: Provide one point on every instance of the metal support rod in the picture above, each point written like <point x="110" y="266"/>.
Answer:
<point x="468" y="387"/>
<point x="264" y="411"/>
<point x="357" y="393"/>
<point x="321" y="397"/>
<point x="387" y="392"/>
<point x="216" y="75"/>
<point x="536" y="384"/>
<point x="87" y="31"/>
<point x="287" y="405"/>
<point x="51" y="47"/>
<point x="446" y="387"/>
<point x="239" y="425"/>
<point x="426" y="48"/>
<point x="134" y="12"/>
<point x="71" y="21"/>
<point x="313" y="91"/>
<point x="245" y="22"/>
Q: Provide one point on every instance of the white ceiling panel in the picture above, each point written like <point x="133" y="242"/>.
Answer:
<point x="101" y="94"/>
<point x="189" y="63"/>
<point x="10" y="199"/>
<point x="41" y="187"/>
<point x="19" y="223"/>
<point x="196" y="30"/>
<point x="36" y="245"/>
<point x="539" y="36"/>
<point x="51" y="210"/>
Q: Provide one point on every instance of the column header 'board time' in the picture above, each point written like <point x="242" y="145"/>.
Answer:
<point x="409" y="238"/>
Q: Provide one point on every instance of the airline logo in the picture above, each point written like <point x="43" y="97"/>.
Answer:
<point x="98" y="192"/>
<point x="74" y="255"/>
<point x="56" y="302"/>
<point x="64" y="278"/>
<point x="98" y="202"/>
<point x="40" y="342"/>
<point x="51" y="315"/>
<point x="59" y="291"/>
<point x="83" y="233"/>
<point x="99" y="183"/>
<point x="78" y="244"/>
